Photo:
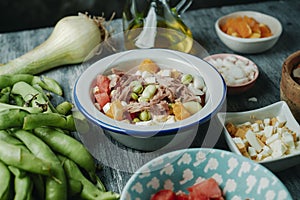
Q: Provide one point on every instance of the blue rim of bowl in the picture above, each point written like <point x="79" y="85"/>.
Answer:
<point x="143" y="133"/>
<point x="206" y="150"/>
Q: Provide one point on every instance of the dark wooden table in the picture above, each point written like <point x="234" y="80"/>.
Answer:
<point x="118" y="162"/>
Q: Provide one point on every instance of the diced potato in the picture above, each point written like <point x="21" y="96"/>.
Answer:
<point x="192" y="106"/>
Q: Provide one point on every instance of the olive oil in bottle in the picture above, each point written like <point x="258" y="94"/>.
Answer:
<point x="160" y="28"/>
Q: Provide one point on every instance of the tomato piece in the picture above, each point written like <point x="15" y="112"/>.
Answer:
<point x="164" y="195"/>
<point x="182" y="196"/>
<point x="198" y="196"/>
<point x="209" y="188"/>
<point x="103" y="83"/>
<point x="102" y="98"/>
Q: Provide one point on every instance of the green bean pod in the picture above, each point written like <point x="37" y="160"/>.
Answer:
<point x="16" y="156"/>
<point x="5" y="136"/>
<point x="5" y="106"/>
<point x="38" y="185"/>
<point x="9" y="79"/>
<point x="47" y="84"/>
<point x="48" y="107"/>
<point x="22" y="184"/>
<point x="49" y="119"/>
<point x="56" y="189"/>
<point x="69" y="147"/>
<point x="64" y="108"/>
<point x="5" y="177"/>
<point x="11" y="118"/>
<point x="31" y="95"/>
<point x="18" y="100"/>
<point x="43" y="81"/>
<point x="74" y="187"/>
<point x="89" y="190"/>
<point x="5" y="94"/>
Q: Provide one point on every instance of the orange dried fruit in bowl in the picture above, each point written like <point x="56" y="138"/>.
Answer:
<point x="256" y="29"/>
<point x="245" y="27"/>
<point x="231" y="31"/>
<point x="256" y="32"/>
<point x="265" y="30"/>
<point x="250" y="21"/>
<point x="227" y="24"/>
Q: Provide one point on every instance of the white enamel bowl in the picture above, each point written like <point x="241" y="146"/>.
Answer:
<point x="250" y="45"/>
<point x="280" y="109"/>
<point x="150" y="138"/>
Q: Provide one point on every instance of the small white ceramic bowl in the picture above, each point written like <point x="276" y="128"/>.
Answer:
<point x="280" y="109"/>
<point x="236" y="88"/>
<point x="250" y="45"/>
<point x="238" y="177"/>
<point x="152" y="137"/>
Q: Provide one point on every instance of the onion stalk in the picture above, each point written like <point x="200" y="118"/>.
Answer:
<point x="73" y="40"/>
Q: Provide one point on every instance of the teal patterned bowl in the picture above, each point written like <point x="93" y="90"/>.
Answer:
<point x="238" y="177"/>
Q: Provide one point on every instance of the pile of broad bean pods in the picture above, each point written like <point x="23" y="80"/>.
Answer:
<point x="39" y="158"/>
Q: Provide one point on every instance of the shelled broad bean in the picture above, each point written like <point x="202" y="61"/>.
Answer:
<point x="37" y="151"/>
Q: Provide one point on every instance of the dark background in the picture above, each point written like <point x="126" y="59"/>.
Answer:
<point x="18" y="15"/>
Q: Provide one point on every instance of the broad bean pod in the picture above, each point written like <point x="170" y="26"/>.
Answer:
<point x="89" y="190"/>
<point x="9" y="79"/>
<point x="48" y="107"/>
<point x="56" y="189"/>
<point x="5" y="177"/>
<point x="23" y="185"/>
<point x="69" y="147"/>
<point x="49" y="119"/>
<point x="38" y="185"/>
<point x="46" y="83"/>
<point x="5" y="106"/>
<point x="12" y="118"/>
<point x="5" y="95"/>
<point x="6" y="137"/>
<point x="31" y="95"/>
<point x="18" y="157"/>
<point x="74" y="187"/>
<point x="64" y="108"/>
<point x="17" y="99"/>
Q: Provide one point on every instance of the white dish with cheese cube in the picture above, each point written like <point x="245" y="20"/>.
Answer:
<point x="268" y="135"/>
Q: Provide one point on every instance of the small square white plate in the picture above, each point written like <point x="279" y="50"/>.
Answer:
<point x="280" y="109"/>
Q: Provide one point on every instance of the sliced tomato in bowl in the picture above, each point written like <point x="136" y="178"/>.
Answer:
<point x="164" y="195"/>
